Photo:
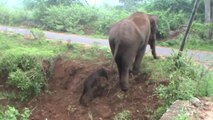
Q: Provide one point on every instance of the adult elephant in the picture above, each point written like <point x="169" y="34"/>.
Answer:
<point x="128" y="40"/>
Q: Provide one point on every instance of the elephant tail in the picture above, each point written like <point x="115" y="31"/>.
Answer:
<point x="116" y="49"/>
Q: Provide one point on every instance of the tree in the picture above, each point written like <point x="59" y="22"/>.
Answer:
<point x="30" y="4"/>
<point x="172" y="5"/>
<point x="207" y="11"/>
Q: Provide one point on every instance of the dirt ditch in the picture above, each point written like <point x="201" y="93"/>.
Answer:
<point x="61" y="101"/>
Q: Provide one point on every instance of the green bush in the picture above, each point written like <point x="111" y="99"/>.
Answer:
<point x="170" y="21"/>
<point x="14" y="17"/>
<point x="11" y="113"/>
<point x="25" y="73"/>
<point x="107" y="18"/>
<point x="202" y="29"/>
<point x="74" y="18"/>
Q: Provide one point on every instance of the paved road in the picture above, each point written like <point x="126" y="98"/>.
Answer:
<point x="202" y="56"/>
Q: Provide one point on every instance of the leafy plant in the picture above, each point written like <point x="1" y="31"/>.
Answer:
<point x="124" y="115"/>
<point x="202" y="29"/>
<point x="37" y="34"/>
<point x="11" y="113"/>
<point x="25" y="73"/>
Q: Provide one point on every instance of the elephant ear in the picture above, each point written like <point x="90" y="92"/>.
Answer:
<point x="154" y="23"/>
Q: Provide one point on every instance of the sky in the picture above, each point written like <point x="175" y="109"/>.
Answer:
<point x="18" y="3"/>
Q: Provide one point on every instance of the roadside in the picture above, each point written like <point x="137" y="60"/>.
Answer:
<point x="204" y="57"/>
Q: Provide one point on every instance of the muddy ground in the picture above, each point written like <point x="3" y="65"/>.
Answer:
<point x="61" y="101"/>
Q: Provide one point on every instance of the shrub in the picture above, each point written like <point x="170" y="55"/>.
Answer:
<point x="37" y="34"/>
<point x="107" y="18"/>
<point x="202" y="29"/>
<point x="169" y="21"/>
<point x="14" y="17"/>
<point x="72" y="18"/>
<point x="25" y="73"/>
<point x="11" y="113"/>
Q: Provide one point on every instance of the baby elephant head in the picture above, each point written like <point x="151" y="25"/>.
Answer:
<point x="94" y="86"/>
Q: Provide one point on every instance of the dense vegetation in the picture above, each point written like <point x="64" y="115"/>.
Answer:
<point x="21" y="63"/>
<point x="21" y="59"/>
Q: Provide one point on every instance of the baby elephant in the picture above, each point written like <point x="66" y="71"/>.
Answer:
<point x="94" y="86"/>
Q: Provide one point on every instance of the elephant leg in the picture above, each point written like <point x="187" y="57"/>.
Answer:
<point x="123" y="65"/>
<point x="152" y="46"/>
<point x="138" y="59"/>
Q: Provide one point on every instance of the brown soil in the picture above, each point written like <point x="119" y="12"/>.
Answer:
<point x="61" y="101"/>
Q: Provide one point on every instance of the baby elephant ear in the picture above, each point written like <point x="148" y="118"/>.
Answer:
<point x="154" y="23"/>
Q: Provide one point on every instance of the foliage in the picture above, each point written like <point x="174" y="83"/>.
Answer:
<point x="186" y="81"/>
<point x="25" y="73"/>
<point x="47" y="3"/>
<point x="21" y="63"/>
<point x="108" y="18"/>
<point x="193" y="42"/>
<point x="14" y="17"/>
<point x="202" y="29"/>
<point x="74" y="18"/>
<point x="124" y="115"/>
<point x="11" y="113"/>
<point x="80" y="19"/>
<point x="174" y="22"/>
<point x="37" y="34"/>
<point x="173" y="5"/>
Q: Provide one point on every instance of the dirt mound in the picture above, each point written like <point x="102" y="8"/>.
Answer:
<point x="61" y="102"/>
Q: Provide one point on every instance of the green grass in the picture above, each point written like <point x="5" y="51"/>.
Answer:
<point x="15" y="44"/>
<point x="193" y="43"/>
<point x="184" y="82"/>
<point x="157" y="68"/>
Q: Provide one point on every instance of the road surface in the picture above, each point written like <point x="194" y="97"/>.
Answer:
<point x="202" y="56"/>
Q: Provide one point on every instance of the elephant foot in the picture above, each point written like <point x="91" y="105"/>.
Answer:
<point x="124" y="87"/>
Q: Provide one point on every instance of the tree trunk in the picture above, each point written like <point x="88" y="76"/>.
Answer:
<point x="207" y="11"/>
<point x="208" y="17"/>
